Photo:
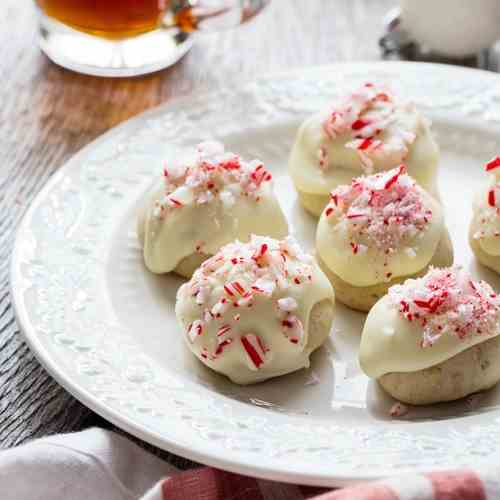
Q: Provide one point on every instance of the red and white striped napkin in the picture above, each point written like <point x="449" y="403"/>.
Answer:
<point x="101" y="465"/>
<point x="207" y="483"/>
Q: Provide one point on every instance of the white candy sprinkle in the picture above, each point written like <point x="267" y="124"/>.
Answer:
<point x="287" y="304"/>
<point x="227" y="198"/>
<point x="266" y="285"/>
<point x="410" y="252"/>
<point x="220" y="308"/>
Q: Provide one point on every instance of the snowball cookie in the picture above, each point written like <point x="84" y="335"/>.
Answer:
<point x="434" y="338"/>
<point x="204" y="201"/>
<point x="365" y="132"/>
<point x="484" y="230"/>
<point x="378" y="231"/>
<point x="256" y="310"/>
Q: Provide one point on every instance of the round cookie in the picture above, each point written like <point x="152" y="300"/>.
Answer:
<point x="378" y="231"/>
<point x="365" y="132"/>
<point x="204" y="201"/>
<point x="434" y="338"/>
<point x="484" y="229"/>
<point x="256" y="310"/>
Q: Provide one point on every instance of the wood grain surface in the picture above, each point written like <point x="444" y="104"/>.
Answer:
<point x="48" y="113"/>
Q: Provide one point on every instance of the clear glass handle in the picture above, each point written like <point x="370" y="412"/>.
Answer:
<point x="211" y="15"/>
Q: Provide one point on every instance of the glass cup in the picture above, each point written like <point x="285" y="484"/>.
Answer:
<point x="131" y="37"/>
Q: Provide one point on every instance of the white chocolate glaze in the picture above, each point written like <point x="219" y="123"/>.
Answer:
<point x="205" y="201"/>
<point x="426" y="321"/>
<point x="363" y="133"/>
<point x="246" y="311"/>
<point x="379" y="228"/>
<point x="485" y="226"/>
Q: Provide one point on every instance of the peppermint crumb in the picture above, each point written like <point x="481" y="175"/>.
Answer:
<point x="312" y="380"/>
<point x="398" y="410"/>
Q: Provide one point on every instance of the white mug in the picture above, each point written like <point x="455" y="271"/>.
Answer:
<point x="455" y="28"/>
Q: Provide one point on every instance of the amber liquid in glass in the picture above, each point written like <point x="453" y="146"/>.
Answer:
<point x="113" y="19"/>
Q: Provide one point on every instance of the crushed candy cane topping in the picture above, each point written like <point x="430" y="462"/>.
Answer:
<point x="213" y="174"/>
<point x="236" y="278"/>
<point x="398" y="410"/>
<point x="362" y="117"/>
<point x="384" y="211"/>
<point x="448" y="302"/>
<point x="488" y="220"/>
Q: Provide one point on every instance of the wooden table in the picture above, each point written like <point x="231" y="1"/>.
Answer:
<point x="48" y="113"/>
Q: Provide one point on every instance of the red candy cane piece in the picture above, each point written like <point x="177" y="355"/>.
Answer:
<point x="194" y="330"/>
<point x="491" y="197"/>
<point x="260" y="252"/>
<point x="359" y="124"/>
<point x="394" y="178"/>
<point x="233" y="164"/>
<point x="254" y="350"/>
<point x="365" y="144"/>
<point x="492" y="164"/>
<point x="236" y="286"/>
<point x="222" y="346"/>
<point x="382" y="96"/>
<point x="223" y="329"/>
<point x="174" y="202"/>
<point x="354" y="215"/>
<point x="260" y="174"/>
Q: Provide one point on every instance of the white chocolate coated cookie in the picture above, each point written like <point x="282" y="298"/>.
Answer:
<point x="379" y="228"/>
<point x="257" y="310"/>
<point x="484" y="230"/>
<point x="425" y="323"/>
<point x="366" y="132"/>
<point x="203" y="202"/>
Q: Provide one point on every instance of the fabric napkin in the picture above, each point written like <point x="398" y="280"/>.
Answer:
<point x="101" y="465"/>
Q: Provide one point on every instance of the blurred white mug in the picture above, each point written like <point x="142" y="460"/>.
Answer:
<point x="455" y="28"/>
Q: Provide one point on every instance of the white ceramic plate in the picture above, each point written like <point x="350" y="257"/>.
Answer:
<point x="105" y="328"/>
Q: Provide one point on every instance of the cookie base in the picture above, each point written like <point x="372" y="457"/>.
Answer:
<point x="473" y="370"/>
